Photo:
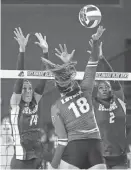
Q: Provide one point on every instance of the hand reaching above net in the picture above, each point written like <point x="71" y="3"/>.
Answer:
<point x="63" y="54"/>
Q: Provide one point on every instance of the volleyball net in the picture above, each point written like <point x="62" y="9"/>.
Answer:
<point x="38" y="74"/>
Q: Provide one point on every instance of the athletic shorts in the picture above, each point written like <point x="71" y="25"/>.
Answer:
<point x="116" y="161"/>
<point x="34" y="163"/>
<point x="83" y="153"/>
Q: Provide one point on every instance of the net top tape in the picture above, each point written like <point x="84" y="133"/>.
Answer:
<point x="37" y="74"/>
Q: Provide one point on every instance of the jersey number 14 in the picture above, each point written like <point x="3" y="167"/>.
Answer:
<point x="79" y="107"/>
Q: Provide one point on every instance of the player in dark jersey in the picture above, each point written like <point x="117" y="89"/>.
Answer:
<point x="24" y="112"/>
<point x="72" y="114"/>
<point x="110" y="114"/>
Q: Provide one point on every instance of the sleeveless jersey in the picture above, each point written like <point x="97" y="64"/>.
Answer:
<point x="112" y="125"/>
<point x="78" y="116"/>
<point x="28" y="136"/>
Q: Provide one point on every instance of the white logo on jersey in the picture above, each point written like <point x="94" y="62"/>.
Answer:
<point x="71" y="97"/>
<point x="27" y="110"/>
<point x="113" y="106"/>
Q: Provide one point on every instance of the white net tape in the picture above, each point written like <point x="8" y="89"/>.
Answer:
<point x="37" y="74"/>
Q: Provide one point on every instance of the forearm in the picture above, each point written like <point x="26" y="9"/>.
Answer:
<point x="40" y="87"/>
<point x="20" y="66"/>
<point x="57" y="156"/>
<point x="95" y="52"/>
<point x="90" y="71"/>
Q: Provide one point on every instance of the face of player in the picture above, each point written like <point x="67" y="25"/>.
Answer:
<point x="27" y="92"/>
<point x="104" y="90"/>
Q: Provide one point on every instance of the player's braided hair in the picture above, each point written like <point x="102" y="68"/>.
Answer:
<point x="64" y="74"/>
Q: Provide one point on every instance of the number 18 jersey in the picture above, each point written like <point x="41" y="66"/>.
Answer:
<point x="78" y="116"/>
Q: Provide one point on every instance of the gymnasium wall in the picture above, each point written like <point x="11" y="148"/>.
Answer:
<point x="60" y="24"/>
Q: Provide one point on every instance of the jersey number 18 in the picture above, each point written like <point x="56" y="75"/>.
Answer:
<point x="79" y="107"/>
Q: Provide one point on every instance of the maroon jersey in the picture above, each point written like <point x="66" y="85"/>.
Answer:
<point x="76" y="111"/>
<point x="26" y="132"/>
<point x="28" y="117"/>
<point x="112" y="125"/>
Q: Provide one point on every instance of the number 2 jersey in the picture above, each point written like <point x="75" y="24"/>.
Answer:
<point x="112" y="124"/>
<point x="26" y="132"/>
<point x="76" y="111"/>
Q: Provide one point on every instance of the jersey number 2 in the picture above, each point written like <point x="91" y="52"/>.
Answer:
<point x="112" y="116"/>
<point x="81" y="106"/>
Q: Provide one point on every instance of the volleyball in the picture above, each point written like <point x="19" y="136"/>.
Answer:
<point x="90" y="16"/>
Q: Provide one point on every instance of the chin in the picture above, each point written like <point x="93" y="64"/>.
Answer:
<point x="28" y="100"/>
<point x="105" y="97"/>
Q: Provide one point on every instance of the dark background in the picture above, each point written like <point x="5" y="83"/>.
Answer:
<point x="59" y="22"/>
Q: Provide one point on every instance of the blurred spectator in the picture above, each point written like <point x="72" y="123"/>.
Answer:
<point x="47" y="150"/>
<point x="6" y="142"/>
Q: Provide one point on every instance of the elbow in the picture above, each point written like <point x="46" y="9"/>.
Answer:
<point x="63" y="141"/>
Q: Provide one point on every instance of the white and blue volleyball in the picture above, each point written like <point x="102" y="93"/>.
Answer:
<point x="90" y="16"/>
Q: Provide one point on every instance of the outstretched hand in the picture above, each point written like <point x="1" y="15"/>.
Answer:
<point x="63" y="54"/>
<point x="99" y="33"/>
<point x="95" y="37"/>
<point x="21" y="39"/>
<point x="42" y="42"/>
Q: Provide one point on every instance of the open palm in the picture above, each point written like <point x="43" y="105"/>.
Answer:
<point x="20" y="38"/>
<point x="63" y="54"/>
<point x="42" y="42"/>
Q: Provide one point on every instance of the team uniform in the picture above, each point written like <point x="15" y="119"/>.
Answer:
<point x="111" y="118"/>
<point x="76" y="112"/>
<point x="26" y="132"/>
<point x="112" y="123"/>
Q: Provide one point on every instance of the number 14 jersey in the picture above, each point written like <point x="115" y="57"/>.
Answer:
<point x="78" y="116"/>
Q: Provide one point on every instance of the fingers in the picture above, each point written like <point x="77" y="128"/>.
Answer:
<point x="20" y="31"/>
<point x="58" y="55"/>
<point x="27" y="37"/>
<point x="89" y="52"/>
<point x="45" y="38"/>
<point x="61" y="48"/>
<point x="57" y="51"/>
<point x="101" y="45"/>
<point x="37" y="43"/>
<point x="100" y="30"/>
<point x="17" y="33"/>
<point x="65" y="48"/>
<point x="16" y="38"/>
<point x="72" y="53"/>
<point x="39" y="36"/>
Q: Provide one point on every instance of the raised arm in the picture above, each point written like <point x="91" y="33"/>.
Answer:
<point x="90" y="71"/>
<point x="38" y="92"/>
<point x="62" y="136"/>
<point x="22" y="41"/>
<point x="116" y="86"/>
